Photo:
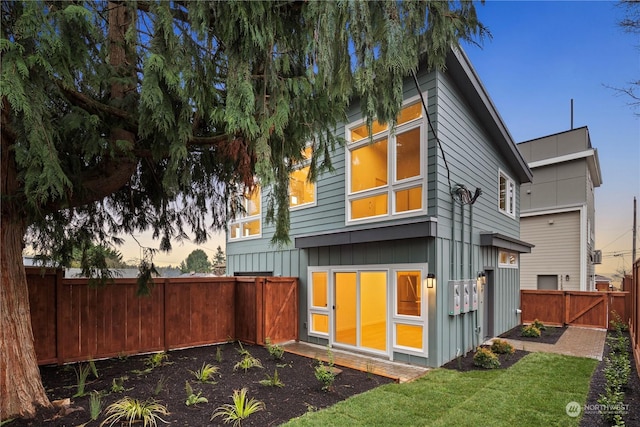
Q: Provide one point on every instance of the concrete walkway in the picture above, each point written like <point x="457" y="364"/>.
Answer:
<point x="575" y="341"/>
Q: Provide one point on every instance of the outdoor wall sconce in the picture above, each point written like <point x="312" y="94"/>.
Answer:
<point x="482" y="278"/>
<point x="431" y="280"/>
<point x="566" y="278"/>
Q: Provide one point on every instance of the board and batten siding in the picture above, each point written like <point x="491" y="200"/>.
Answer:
<point x="474" y="161"/>
<point x="557" y="249"/>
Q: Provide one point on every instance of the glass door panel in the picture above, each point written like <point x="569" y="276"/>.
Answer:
<point x="345" y="311"/>
<point x="373" y="310"/>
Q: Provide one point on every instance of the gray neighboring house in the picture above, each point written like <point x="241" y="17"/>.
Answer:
<point x="557" y="212"/>
<point x="398" y="256"/>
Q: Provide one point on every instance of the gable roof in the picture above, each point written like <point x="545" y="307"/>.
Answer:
<point x="462" y="72"/>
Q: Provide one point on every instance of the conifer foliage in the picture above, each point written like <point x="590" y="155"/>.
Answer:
<point x="152" y="115"/>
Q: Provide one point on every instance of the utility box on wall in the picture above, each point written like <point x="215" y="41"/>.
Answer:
<point x="465" y="297"/>
<point x="454" y="297"/>
<point x="473" y="286"/>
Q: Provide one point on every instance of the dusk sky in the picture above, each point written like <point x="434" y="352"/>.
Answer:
<point x="542" y="55"/>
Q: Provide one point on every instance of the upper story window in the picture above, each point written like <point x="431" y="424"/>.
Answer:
<point x="385" y="173"/>
<point x="301" y="191"/>
<point x="508" y="259"/>
<point x="248" y="224"/>
<point x="507" y="195"/>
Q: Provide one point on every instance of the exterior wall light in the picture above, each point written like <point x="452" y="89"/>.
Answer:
<point x="482" y="278"/>
<point x="431" y="280"/>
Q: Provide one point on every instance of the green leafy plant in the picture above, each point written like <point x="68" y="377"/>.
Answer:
<point x="273" y="381"/>
<point x="370" y="368"/>
<point x="276" y="351"/>
<point x="247" y="362"/>
<point x="617" y="323"/>
<point x="485" y="358"/>
<point x="130" y="411"/>
<point x="206" y="373"/>
<point x="160" y="385"/>
<point x="117" y="384"/>
<point x="95" y="404"/>
<point x="618" y="343"/>
<point x="243" y="351"/>
<point x="92" y="367"/>
<point x="82" y="373"/>
<point x="192" y="398"/>
<point x="240" y="409"/>
<point x="530" y="331"/>
<point x="157" y="359"/>
<point x="326" y="375"/>
<point x="502" y="347"/>
<point x="538" y="324"/>
<point x="219" y="354"/>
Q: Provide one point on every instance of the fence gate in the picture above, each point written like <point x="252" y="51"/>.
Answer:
<point x="586" y="309"/>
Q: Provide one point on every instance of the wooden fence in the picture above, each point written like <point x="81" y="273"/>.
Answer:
<point x="633" y="283"/>
<point x="72" y="321"/>
<point x="575" y="308"/>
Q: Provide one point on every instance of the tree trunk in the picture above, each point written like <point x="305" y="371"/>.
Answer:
<point x="21" y="390"/>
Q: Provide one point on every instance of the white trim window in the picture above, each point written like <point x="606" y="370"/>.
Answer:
<point x="386" y="168"/>
<point x="508" y="259"/>
<point x="302" y="192"/>
<point x="506" y="194"/>
<point x="249" y="224"/>
<point x="371" y="308"/>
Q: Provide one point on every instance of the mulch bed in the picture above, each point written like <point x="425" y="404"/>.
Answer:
<point x="465" y="363"/>
<point x="301" y="393"/>
<point x="591" y="416"/>
<point x="549" y="335"/>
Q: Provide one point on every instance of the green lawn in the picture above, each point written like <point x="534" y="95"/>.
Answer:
<point x="533" y="392"/>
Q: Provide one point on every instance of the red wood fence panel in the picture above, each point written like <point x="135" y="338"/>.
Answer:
<point x="546" y="306"/>
<point x="576" y="308"/>
<point x="73" y="322"/>
<point x="634" y="316"/>
<point x="42" y="296"/>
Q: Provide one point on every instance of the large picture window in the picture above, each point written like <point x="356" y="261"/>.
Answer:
<point x="248" y="225"/>
<point x="386" y="168"/>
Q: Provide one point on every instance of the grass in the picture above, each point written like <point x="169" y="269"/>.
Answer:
<point x="533" y="392"/>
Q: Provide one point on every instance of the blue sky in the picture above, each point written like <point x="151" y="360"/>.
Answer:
<point x="542" y="55"/>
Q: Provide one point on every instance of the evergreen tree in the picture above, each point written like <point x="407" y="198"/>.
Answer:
<point x="197" y="261"/>
<point x="125" y="116"/>
<point x="219" y="257"/>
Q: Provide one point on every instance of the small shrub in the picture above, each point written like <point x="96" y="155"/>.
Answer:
<point x="502" y="347"/>
<point x="218" y="354"/>
<point x="247" y="362"/>
<point x="240" y="409"/>
<point x="538" y="324"/>
<point x="129" y="411"/>
<point x="326" y="375"/>
<point x="618" y="344"/>
<point x="485" y="358"/>
<point x="530" y="331"/>
<point x="617" y="323"/>
<point x="157" y="359"/>
<point x="272" y="381"/>
<point x="205" y="373"/>
<point x="117" y="384"/>
<point x="192" y="398"/>
<point x="243" y="351"/>
<point x="276" y="351"/>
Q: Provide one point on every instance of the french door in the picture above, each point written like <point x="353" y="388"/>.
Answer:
<point x="361" y="309"/>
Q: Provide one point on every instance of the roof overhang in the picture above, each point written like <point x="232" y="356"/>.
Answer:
<point x="425" y="227"/>
<point x="505" y="242"/>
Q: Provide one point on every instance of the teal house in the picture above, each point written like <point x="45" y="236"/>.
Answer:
<point x="409" y="250"/>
